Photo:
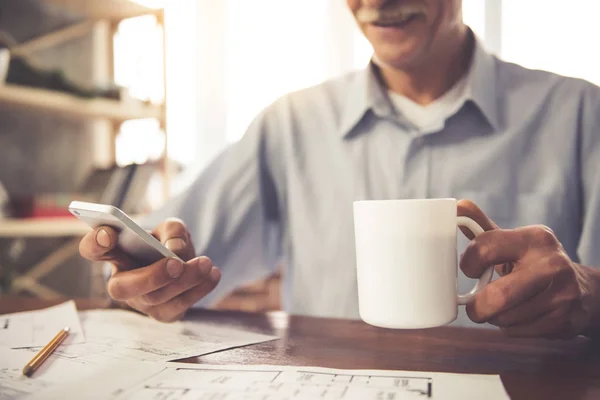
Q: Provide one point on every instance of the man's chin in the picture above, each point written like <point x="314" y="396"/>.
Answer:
<point x="395" y="58"/>
<point x="394" y="62"/>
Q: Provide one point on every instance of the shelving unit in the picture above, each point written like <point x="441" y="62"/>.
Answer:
<point x="42" y="227"/>
<point x="45" y="227"/>
<point x="58" y="103"/>
<point x="69" y="105"/>
<point x="104" y="9"/>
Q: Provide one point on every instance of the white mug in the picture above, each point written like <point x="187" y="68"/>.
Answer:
<point x="406" y="261"/>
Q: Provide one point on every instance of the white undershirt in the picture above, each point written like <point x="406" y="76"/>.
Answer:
<point x="432" y="116"/>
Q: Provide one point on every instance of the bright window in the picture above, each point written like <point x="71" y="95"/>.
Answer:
<point x="553" y="35"/>
<point x="474" y="16"/>
<point x="272" y="47"/>
<point x="138" y="67"/>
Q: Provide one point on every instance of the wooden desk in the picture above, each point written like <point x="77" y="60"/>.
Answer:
<point x="530" y="369"/>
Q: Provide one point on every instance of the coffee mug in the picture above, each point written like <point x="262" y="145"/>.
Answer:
<point x="406" y="262"/>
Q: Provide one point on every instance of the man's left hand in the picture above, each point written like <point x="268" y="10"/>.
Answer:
<point x="541" y="291"/>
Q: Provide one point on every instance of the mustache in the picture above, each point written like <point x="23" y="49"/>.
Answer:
<point x="390" y="11"/>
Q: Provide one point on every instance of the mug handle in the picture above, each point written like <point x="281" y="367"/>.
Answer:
<point x="486" y="277"/>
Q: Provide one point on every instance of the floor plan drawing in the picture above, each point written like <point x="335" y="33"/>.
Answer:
<point x="181" y="381"/>
<point x="184" y="381"/>
<point x="193" y="383"/>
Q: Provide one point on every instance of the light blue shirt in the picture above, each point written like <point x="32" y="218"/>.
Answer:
<point x="525" y="146"/>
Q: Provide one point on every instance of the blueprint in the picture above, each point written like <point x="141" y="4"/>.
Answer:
<point x="178" y="381"/>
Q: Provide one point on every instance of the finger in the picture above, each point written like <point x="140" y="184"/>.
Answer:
<point x="175" y="236"/>
<point x="469" y="209"/>
<point x="560" y="292"/>
<point x="540" y="236"/>
<point x="492" y="248"/>
<point x="552" y="324"/>
<point x="124" y="285"/>
<point x="175" y="308"/>
<point x="98" y="242"/>
<point x="101" y="245"/>
<point x="508" y="292"/>
<point x="194" y="273"/>
<point x="528" y="311"/>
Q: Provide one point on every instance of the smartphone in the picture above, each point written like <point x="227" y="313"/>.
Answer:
<point x="140" y="245"/>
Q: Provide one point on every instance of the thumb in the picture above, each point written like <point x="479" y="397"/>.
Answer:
<point x="101" y="244"/>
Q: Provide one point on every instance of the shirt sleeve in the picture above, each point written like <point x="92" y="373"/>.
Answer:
<point x="589" y="243"/>
<point x="231" y="210"/>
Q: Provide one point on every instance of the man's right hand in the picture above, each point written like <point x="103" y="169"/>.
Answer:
<point x="163" y="290"/>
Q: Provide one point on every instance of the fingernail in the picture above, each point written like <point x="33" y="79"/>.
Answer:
<point x="175" y="244"/>
<point x="103" y="239"/>
<point x="215" y="274"/>
<point x="204" y="267"/>
<point x="174" y="268"/>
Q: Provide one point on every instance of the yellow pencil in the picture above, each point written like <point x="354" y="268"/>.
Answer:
<point x="40" y="357"/>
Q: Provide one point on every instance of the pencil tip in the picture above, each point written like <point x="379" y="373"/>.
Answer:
<point x="27" y="371"/>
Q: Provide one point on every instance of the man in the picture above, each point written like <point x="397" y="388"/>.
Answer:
<point x="434" y="115"/>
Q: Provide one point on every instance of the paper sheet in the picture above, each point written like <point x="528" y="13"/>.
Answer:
<point x="119" y="344"/>
<point x="37" y="328"/>
<point x="178" y="381"/>
<point x="57" y="373"/>
<point x="124" y="335"/>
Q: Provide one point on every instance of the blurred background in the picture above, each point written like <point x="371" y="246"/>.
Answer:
<point x="122" y="101"/>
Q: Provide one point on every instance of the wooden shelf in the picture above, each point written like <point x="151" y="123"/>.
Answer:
<point x="70" y="105"/>
<point x="42" y="227"/>
<point x="47" y="227"/>
<point x="104" y="9"/>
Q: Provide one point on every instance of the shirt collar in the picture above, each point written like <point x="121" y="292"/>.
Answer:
<point x="367" y="92"/>
<point x="482" y="85"/>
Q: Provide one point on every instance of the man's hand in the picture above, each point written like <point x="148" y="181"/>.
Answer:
<point x="163" y="290"/>
<point x="541" y="291"/>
